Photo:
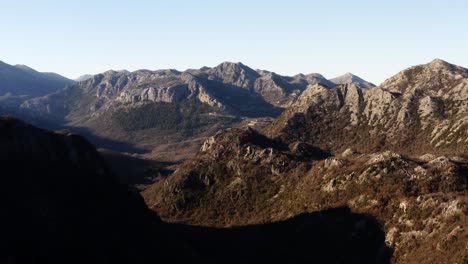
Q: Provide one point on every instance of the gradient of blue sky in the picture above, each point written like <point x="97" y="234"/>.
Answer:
<point x="373" y="39"/>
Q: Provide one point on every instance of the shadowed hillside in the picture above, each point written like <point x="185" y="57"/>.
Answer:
<point x="60" y="204"/>
<point x="330" y="236"/>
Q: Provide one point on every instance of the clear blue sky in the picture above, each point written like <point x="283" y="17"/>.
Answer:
<point x="373" y="39"/>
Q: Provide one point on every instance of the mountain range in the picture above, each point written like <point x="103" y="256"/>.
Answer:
<point x="143" y="106"/>
<point x="381" y="172"/>
<point x="398" y="152"/>
<point x="420" y="109"/>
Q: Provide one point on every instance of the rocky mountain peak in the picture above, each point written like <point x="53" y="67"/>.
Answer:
<point x="315" y="75"/>
<point x="437" y="63"/>
<point x="231" y="65"/>
<point x="231" y="68"/>
<point x="312" y="78"/>
<point x="110" y="72"/>
<point x="430" y="78"/>
<point x="348" y="78"/>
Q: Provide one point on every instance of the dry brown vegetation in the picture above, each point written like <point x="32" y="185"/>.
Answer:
<point x="241" y="177"/>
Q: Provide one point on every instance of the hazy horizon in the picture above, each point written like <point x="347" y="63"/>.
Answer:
<point x="369" y="39"/>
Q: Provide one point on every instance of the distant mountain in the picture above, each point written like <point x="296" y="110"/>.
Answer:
<point x="142" y="106"/>
<point x="350" y="78"/>
<point x="25" y="81"/>
<point x="84" y="77"/>
<point x="49" y="75"/>
<point x="277" y="90"/>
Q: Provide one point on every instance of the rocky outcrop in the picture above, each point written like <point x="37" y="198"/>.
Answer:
<point x="165" y="94"/>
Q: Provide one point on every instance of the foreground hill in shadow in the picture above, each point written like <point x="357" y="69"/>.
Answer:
<point x="60" y="204"/>
<point x="330" y="236"/>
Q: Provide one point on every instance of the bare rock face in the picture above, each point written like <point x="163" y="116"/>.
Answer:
<point x="165" y="94"/>
<point x="421" y="109"/>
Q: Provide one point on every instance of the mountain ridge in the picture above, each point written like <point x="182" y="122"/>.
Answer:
<point x="415" y="102"/>
<point x="227" y="90"/>
<point x="23" y="80"/>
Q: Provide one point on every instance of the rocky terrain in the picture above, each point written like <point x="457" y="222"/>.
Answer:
<point x="240" y="177"/>
<point x="420" y="110"/>
<point x="397" y="152"/>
